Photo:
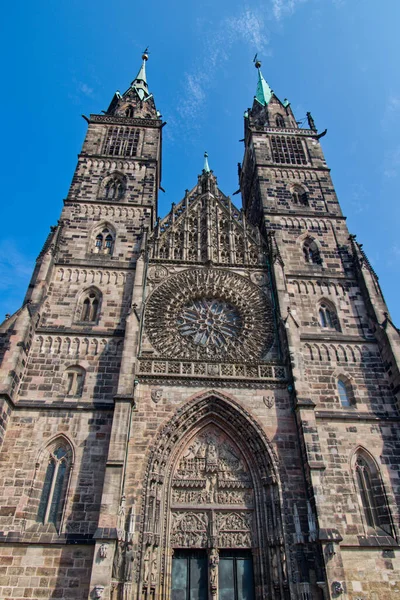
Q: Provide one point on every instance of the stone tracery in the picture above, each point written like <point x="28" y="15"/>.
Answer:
<point x="209" y="313"/>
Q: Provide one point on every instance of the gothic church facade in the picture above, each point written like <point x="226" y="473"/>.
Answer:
<point x="203" y="406"/>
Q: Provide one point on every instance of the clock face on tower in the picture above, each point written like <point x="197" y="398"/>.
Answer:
<point x="209" y="313"/>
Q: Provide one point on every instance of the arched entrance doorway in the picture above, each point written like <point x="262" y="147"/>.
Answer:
<point x="212" y="512"/>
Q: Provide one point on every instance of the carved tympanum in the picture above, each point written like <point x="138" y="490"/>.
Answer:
<point x="212" y="474"/>
<point x="201" y="313"/>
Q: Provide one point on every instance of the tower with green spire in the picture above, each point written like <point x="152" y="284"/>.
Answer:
<point x="339" y="343"/>
<point x="136" y="101"/>
<point x="129" y="134"/>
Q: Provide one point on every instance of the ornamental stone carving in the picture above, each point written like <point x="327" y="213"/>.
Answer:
<point x="156" y="395"/>
<point x="212" y="474"/>
<point x="213" y="313"/>
<point x="189" y="529"/>
<point x="269" y="401"/>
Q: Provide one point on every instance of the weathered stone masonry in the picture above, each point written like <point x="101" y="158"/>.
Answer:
<point x="217" y="385"/>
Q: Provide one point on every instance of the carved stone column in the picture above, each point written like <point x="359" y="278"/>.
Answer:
<point x="213" y="573"/>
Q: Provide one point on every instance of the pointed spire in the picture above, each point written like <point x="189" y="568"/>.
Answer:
<point x="264" y="92"/>
<point x="206" y="168"/>
<point x="140" y="81"/>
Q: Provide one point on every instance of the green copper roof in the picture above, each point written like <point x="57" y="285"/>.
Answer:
<point x="140" y="81"/>
<point x="206" y="168"/>
<point x="264" y="92"/>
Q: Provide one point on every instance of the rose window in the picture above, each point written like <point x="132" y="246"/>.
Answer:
<point x="209" y="322"/>
<point x="209" y="314"/>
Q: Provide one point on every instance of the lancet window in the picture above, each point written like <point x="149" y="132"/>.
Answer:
<point x="90" y="306"/>
<point x="345" y="392"/>
<point x="327" y="317"/>
<point x="55" y="478"/>
<point x="114" y="188"/>
<point x="129" y="112"/>
<point x="104" y="241"/>
<point x="311" y="252"/>
<point x="372" y="496"/>
<point x="299" y="196"/>
<point x="279" y="121"/>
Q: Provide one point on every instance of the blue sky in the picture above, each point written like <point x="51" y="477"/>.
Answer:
<point x="336" y="58"/>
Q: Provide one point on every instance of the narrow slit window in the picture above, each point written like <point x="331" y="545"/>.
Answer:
<point x="343" y="393"/>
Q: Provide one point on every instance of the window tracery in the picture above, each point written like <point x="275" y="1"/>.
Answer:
<point x="55" y="483"/>
<point x="89" y="306"/>
<point x="372" y="495"/>
<point x="185" y="309"/>
<point x="311" y="252"/>
<point x="327" y="317"/>
<point x="279" y="121"/>
<point x="114" y="187"/>
<point x="104" y="241"/>
<point x="299" y="196"/>
<point x="121" y="141"/>
<point x="287" y="150"/>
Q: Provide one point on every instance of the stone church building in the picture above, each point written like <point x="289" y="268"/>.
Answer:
<point x="204" y="406"/>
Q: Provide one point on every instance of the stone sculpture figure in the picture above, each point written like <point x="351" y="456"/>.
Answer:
<point x="118" y="558"/>
<point x="213" y="564"/>
<point x="128" y="562"/>
<point x="146" y="561"/>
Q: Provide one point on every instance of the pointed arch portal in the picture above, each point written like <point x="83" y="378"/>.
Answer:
<point x="212" y="525"/>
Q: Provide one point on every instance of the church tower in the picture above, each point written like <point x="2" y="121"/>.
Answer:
<point x="342" y="347"/>
<point x="203" y="405"/>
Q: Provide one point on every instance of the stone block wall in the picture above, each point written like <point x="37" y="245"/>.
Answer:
<point x="24" y="457"/>
<point x="45" y="571"/>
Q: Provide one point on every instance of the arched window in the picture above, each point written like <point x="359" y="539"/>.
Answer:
<point x="372" y="496"/>
<point x="104" y="241"/>
<point x="311" y="252"/>
<point x="114" y="187"/>
<point x="129" y="112"/>
<point x="280" y="121"/>
<point x="344" y="392"/>
<point x="55" y="483"/>
<point x="90" y="306"/>
<point x="327" y="317"/>
<point x="74" y="381"/>
<point x="299" y="196"/>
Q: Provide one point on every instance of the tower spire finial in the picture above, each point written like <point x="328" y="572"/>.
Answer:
<point x="264" y="92"/>
<point x="206" y="167"/>
<point x="257" y="63"/>
<point x="140" y="81"/>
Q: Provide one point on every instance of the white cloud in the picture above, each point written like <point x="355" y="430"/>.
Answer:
<point x="392" y="163"/>
<point x="250" y="27"/>
<point x="247" y="27"/>
<point x="393" y="104"/>
<point x="282" y="8"/>
<point x="85" y="89"/>
<point x="14" y="266"/>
